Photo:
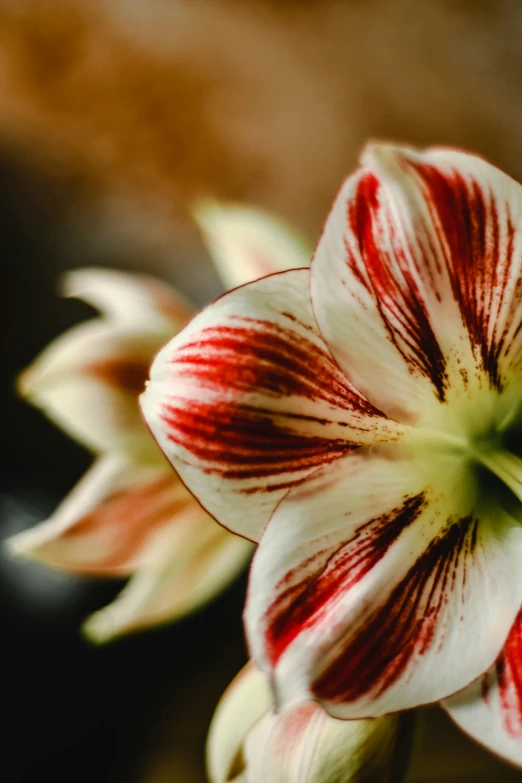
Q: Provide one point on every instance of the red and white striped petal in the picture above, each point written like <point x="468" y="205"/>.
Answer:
<point x="88" y="380"/>
<point x="246" y="244"/>
<point x="249" y="743"/>
<point x="490" y="709"/>
<point x="247" y="401"/>
<point x="186" y="564"/>
<point x="372" y="577"/>
<point x="419" y="267"/>
<point x="106" y="524"/>
<point x="132" y="300"/>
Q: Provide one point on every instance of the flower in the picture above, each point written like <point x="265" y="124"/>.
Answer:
<point x="130" y="515"/>
<point x="250" y="743"/>
<point x="362" y="421"/>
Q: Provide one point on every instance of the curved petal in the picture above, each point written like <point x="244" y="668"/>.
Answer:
<point x="186" y="564"/>
<point x="420" y="265"/>
<point x="88" y="380"/>
<point x="246" y="401"/>
<point x="132" y="300"/>
<point x="374" y="574"/>
<point x="106" y="524"/>
<point x="248" y="741"/>
<point x="244" y="702"/>
<point x="490" y="709"/>
<point x="305" y="745"/>
<point x="246" y="244"/>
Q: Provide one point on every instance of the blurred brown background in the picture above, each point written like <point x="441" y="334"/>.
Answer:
<point x="114" y="116"/>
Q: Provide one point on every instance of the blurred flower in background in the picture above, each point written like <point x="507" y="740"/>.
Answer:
<point x="130" y="514"/>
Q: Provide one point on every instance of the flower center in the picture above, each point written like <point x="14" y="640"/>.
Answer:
<point x="488" y="441"/>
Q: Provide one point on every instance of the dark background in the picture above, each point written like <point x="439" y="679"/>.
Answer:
<point x="73" y="711"/>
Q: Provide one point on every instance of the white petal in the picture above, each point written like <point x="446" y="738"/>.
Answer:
<point x="247" y="244"/>
<point x="377" y="588"/>
<point x="305" y="745"/>
<point x="490" y="709"/>
<point x="88" y="380"/>
<point x="106" y="524"/>
<point x="419" y="267"/>
<point x="244" y="702"/>
<point x="187" y="563"/>
<point x="249" y="742"/>
<point x="246" y="401"/>
<point x="132" y="300"/>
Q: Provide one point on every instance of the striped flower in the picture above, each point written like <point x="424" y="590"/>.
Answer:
<point x="130" y="515"/>
<point x="362" y="421"/>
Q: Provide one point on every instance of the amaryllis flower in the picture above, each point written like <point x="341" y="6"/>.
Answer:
<point x="250" y="743"/>
<point x="130" y="515"/>
<point x="362" y="422"/>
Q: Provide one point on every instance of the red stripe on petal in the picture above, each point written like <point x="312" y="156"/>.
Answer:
<point x="244" y="442"/>
<point x="302" y="604"/>
<point x="404" y="627"/>
<point x="388" y="272"/>
<point x="237" y="439"/>
<point x="123" y="523"/>
<point x="261" y="356"/>
<point x="509" y="676"/>
<point x="478" y="249"/>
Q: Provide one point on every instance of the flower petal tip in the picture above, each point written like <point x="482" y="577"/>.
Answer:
<point x="101" y="627"/>
<point x="24" y="544"/>
<point x="205" y="210"/>
<point x="382" y="154"/>
<point x="26" y="383"/>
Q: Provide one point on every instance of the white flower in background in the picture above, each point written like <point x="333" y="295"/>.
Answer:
<point x="131" y="515"/>
<point x="362" y="421"/>
<point x="249" y="743"/>
<point x="246" y="244"/>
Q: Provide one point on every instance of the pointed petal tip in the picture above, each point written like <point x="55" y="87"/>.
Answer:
<point x="75" y="283"/>
<point x="26" y="382"/>
<point x="22" y="545"/>
<point x="69" y="283"/>
<point x="205" y="210"/>
<point x="101" y="627"/>
<point x="385" y="156"/>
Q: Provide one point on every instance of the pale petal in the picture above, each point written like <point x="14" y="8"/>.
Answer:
<point x="419" y="268"/>
<point x="186" y="564"/>
<point x="88" y="380"/>
<point x="249" y="742"/>
<point x="107" y="523"/>
<point x="371" y="579"/>
<point x="246" y="401"/>
<point x="246" y="244"/>
<point x="244" y="702"/>
<point x="305" y="745"/>
<point x="132" y="300"/>
<point x="490" y="709"/>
